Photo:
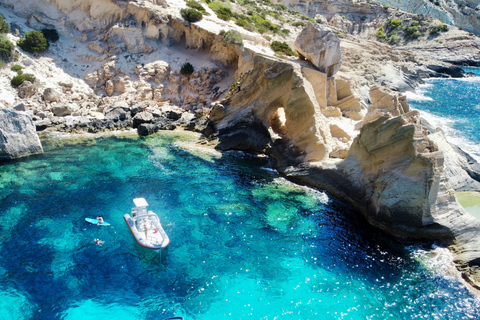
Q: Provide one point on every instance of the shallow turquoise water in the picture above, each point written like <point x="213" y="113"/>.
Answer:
<point x="244" y="243"/>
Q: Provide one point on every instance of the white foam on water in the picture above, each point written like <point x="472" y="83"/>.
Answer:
<point x="438" y="261"/>
<point x="452" y="135"/>
<point x="419" y="94"/>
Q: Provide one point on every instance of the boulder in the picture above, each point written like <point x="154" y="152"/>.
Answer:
<point x="51" y="95"/>
<point x="319" y="45"/>
<point x="146" y="129"/>
<point x="20" y="107"/>
<point x="217" y="112"/>
<point x="62" y="110"/>
<point x="27" y="89"/>
<point x="18" y="137"/>
<point x="142" y="117"/>
<point x="120" y="111"/>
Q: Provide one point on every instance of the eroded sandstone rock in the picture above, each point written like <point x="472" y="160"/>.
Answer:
<point x="319" y="45"/>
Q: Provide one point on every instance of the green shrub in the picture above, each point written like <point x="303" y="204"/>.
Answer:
<point x="282" y="47"/>
<point x="20" y="78"/>
<point x="187" y="69"/>
<point x="6" y="49"/>
<point x="191" y="15"/>
<point x="34" y="41"/>
<point x="222" y="10"/>
<point x="394" y="40"/>
<point x="395" y="23"/>
<point x="17" y="68"/>
<point x="380" y="34"/>
<point x="299" y="24"/>
<point x="3" y="25"/>
<point x="411" y="32"/>
<point x="245" y="23"/>
<point x="232" y="36"/>
<point x="439" y="28"/>
<point x="50" y="34"/>
<point x="196" y="5"/>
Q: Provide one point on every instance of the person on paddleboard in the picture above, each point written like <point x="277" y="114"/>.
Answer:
<point x="100" y="219"/>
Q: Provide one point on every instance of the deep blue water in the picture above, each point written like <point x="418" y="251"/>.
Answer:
<point x="244" y="243"/>
<point x="454" y="106"/>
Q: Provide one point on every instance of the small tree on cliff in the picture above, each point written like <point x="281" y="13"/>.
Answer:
<point x="7" y="49"/>
<point x="34" y="41"/>
<point x="187" y="69"/>
<point x="191" y="15"/>
<point x="3" y="25"/>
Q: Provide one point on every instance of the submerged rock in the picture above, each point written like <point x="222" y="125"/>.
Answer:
<point x="18" y="137"/>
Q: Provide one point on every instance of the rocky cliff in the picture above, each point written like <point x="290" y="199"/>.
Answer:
<point x="463" y="14"/>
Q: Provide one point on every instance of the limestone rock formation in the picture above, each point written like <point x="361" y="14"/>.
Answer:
<point x="385" y="101"/>
<point x="319" y="45"/>
<point x="461" y="170"/>
<point x="459" y="13"/>
<point x="18" y="137"/>
<point x="274" y="102"/>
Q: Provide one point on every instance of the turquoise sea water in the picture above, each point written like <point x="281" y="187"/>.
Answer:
<point x="244" y="242"/>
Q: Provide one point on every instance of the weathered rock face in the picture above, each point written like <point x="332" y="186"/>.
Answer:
<point x="459" y="13"/>
<point x="385" y="102"/>
<point x="18" y="137"/>
<point x="127" y="39"/>
<point x="400" y="171"/>
<point x="319" y="45"/>
<point x="86" y="16"/>
<point x="280" y="107"/>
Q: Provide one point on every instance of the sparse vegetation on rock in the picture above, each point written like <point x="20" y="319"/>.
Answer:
<point x="380" y="34"/>
<point x="3" y="25"/>
<point x="232" y="36"/>
<point x="7" y="49"/>
<point x="395" y="23"/>
<point x="20" y="78"/>
<point x="196" y="5"/>
<point x="223" y="10"/>
<point x="191" y="15"/>
<point x="34" y="41"/>
<point x="439" y="28"/>
<point x="282" y="48"/>
<point x="412" y="32"/>
<point x="16" y="67"/>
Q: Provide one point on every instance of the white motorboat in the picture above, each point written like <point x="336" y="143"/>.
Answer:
<point x="145" y="226"/>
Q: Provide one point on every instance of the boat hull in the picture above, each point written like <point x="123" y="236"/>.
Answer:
<point x="154" y="237"/>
